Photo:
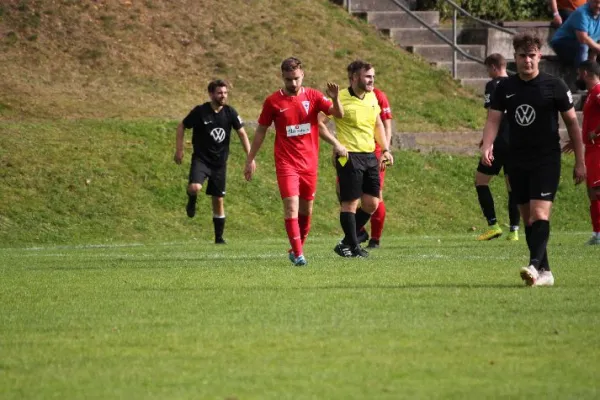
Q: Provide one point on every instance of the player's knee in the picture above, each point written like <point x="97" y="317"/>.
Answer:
<point x="194" y="188"/>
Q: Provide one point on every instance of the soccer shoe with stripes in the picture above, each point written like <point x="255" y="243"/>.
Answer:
<point x="529" y="275"/>
<point x="357" y="252"/>
<point x="545" y="278"/>
<point x="493" y="232"/>
<point x="593" y="241"/>
<point x="291" y="256"/>
<point x="512" y="236"/>
<point x="300" y="261"/>
<point x="342" y="250"/>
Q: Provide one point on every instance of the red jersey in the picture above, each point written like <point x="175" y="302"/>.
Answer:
<point x="386" y="111"/>
<point x="591" y="116"/>
<point x="296" y="128"/>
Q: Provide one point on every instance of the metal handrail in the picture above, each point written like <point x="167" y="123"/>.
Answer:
<point x="452" y="43"/>
<point x="481" y="21"/>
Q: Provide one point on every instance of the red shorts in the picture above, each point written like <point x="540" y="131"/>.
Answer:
<point x="592" y="165"/>
<point x="294" y="184"/>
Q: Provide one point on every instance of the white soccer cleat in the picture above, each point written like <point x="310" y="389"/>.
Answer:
<point x="545" y="278"/>
<point x="529" y="274"/>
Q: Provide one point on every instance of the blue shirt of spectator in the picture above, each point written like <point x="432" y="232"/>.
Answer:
<point x="582" y="20"/>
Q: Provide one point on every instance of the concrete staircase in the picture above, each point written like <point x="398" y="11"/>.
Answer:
<point x="409" y="34"/>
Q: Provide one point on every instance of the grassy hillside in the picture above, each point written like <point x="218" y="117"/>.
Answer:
<point x="91" y="92"/>
<point x="132" y="59"/>
<point x="101" y="181"/>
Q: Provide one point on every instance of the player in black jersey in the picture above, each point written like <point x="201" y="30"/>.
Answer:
<point x="496" y="66"/>
<point x="211" y="123"/>
<point x="532" y="101"/>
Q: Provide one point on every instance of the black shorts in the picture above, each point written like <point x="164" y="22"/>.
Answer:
<point x="359" y="175"/>
<point x="200" y="171"/>
<point x="539" y="183"/>
<point x="500" y="160"/>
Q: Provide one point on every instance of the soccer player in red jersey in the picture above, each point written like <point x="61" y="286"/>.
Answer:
<point x="378" y="217"/>
<point x="294" y="109"/>
<point x="589" y="71"/>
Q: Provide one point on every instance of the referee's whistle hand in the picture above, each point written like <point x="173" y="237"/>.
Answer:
<point x="340" y="151"/>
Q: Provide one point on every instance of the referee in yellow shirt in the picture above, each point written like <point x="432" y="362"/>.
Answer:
<point x="358" y="173"/>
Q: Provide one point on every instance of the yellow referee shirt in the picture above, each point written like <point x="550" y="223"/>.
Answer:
<point x="356" y="130"/>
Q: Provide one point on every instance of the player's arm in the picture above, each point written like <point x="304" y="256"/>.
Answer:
<point x="387" y="125"/>
<point x="338" y="148"/>
<point x="179" y="143"/>
<point x="259" y="138"/>
<point x="380" y="138"/>
<point x="490" y="130"/>
<point x="575" y="143"/>
<point x="336" y="109"/>
<point x="244" y="139"/>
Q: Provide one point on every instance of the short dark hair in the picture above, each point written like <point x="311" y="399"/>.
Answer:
<point x="497" y="60"/>
<point x="291" y="64"/>
<point x="526" y="40"/>
<point x="217" y="83"/>
<point x="591" y="67"/>
<point x="357" y="66"/>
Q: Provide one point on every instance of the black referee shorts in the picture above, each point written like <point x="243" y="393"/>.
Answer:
<point x="500" y="160"/>
<point x="540" y="183"/>
<point x="200" y="171"/>
<point x="360" y="175"/>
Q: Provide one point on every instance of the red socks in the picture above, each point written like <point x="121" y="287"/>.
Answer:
<point x="377" y="219"/>
<point x="595" y="214"/>
<point x="293" y="231"/>
<point x="304" y="222"/>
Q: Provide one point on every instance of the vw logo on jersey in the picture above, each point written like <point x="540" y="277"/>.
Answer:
<point x="218" y="134"/>
<point x="525" y="115"/>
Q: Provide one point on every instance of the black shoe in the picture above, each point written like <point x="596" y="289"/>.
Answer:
<point x="357" y="252"/>
<point x="362" y="236"/>
<point x="220" y="241"/>
<point x="373" y="244"/>
<point x="342" y="250"/>
<point x="190" y="208"/>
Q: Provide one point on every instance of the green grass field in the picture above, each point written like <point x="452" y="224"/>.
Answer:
<point x="439" y="316"/>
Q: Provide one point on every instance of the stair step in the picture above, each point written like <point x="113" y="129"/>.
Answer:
<point x="379" y="5"/>
<point x="466" y="69"/>
<point x="400" y="19"/>
<point x="416" y="36"/>
<point x="443" y="53"/>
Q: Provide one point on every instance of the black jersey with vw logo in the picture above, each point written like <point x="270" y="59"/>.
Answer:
<point x="212" y="132"/>
<point x="532" y="109"/>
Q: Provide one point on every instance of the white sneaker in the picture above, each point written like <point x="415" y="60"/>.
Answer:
<point x="545" y="278"/>
<point x="529" y="274"/>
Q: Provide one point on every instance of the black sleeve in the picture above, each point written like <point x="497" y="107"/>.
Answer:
<point x="191" y="119"/>
<point x="490" y="87"/>
<point x="236" y="120"/>
<point x="563" y="99"/>
<point x="498" y="97"/>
